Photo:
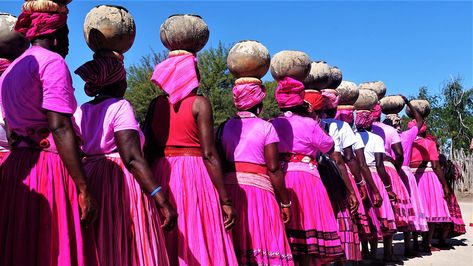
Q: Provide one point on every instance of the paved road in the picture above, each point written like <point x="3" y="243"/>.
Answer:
<point x="460" y="255"/>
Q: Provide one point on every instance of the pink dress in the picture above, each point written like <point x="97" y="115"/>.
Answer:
<point x="313" y="228"/>
<point x="418" y="220"/>
<point x="39" y="213"/>
<point x="200" y="237"/>
<point x="402" y="206"/>
<point x="127" y="230"/>
<point x="259" y="235"/>
<point x="430" y="188"/>
<point x="344" y="137"/>
<point x="374" y="144"/>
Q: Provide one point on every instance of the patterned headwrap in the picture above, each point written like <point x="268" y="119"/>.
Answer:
<point x="314" y="98"/>
<point x="394" y="119"/>
<point x="345" y="113"/>
<point x="101" y="72"/>
<point x="289" y="93"/>
<point x="35" y="24"/>
<point x="177" y="76"/>
<point x="4" y="63"/>
<point x="413" y="122"/>
<point x="376" y="112"/>
<point x="363" y="119"/>
<point x="248" y="95"/>
<point x="330" y="99"/>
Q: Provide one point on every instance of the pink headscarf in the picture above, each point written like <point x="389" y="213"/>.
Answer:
<point x="101" y="72"/>
<point x="314" y="98"/>
<point x="4" y="63"/>
<point x="37" y="24"/>
<point x="289" y="93"/>
<point x="330" y="100"/>
<point x="364" y="119"/>
<point x="413" y="122"/>
<point x="246" y="96"/>
<point x="345" y="115"/>
<point x="177" y="76"/>
<point x="376" y="112"/>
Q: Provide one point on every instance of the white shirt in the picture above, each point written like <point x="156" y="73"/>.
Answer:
<point x="341" y="133"/>
<point x="373" y="144"/>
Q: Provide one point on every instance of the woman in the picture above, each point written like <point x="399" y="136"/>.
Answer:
<point x="254" y="180"/>
<point x="313" y="230"/>
<point x="117" y="172"/>
<point x="374" y="154"/>
<point x="42" y="182"/>
<point x="181" y="147"/>
<point x="433" y="187"/>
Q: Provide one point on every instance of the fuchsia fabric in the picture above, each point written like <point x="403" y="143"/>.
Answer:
<point x="4" y="63"/>
<point x="345" y="115"/>
<point x="330" y="100"/>
<point x="101" y="72"/>
<point x="376" y="112"/>
<point x="177" y="76"/>
<point x="422" y="129"/>
<point x="36" y="24"/>
<point x="289" y="93"/>
<point x="363" y="119"/>
<point x="246" y="96"/>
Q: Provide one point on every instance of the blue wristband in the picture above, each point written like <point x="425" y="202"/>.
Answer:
<point x="155" y="191"/>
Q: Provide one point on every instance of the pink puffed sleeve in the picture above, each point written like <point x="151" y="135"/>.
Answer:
<point x="58" y="93"/>
<point x="271" y="134"/>
<point x="124" y="117"/>
<point x="395" y="138"/>
<point x="321" y="140"/>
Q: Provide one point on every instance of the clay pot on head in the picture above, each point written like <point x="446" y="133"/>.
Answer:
<point x="184" y="32"/>
<point x="348" y="93"/>
<point x="367" y="99"/>
<point x="12" y="43"/>
<point x="392" y="104"/>
<point x="336" y="78"/>
<point x="376" y="86"/>
<point x="109" y="28"/>
<point x="287" y="63"/>
<point x="319" y="76"/>
<point x="422" y="106"/>
<point x="248" y="59"/>
<point x="7" y="22"/>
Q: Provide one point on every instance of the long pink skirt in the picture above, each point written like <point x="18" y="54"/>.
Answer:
<point x="127" y="230"/>
<point x="385" y="212"/>
<point x="39" y="213"/>
<point x="347" y="230"/>
<point x="418" y="220"/>
<point x="259" y="235"/>
<point x="402" y="207"/>
<point x="200" y="237"/>
<point x="313" y="228"/>
<point x="432" y="197"/>
<point x="458" y="226"/>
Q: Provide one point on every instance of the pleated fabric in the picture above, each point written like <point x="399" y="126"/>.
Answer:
<point x="418" y="220"/>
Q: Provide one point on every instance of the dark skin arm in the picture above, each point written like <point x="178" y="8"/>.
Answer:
<point x="202" y="112"/>
<point x="365" y="170"/>
<point x="68" y="149"/>
<point x="439" y="172"/>
<point x="276" y="175"/>
<point x="128" y="144"/>
<point x="354" y="169"/>
<point x="352" y="200"/>
<point x="384" y="175"/>
<point x="150" y="145"/>
<point x="399" y="153"/>
<point x="417" y="116"/>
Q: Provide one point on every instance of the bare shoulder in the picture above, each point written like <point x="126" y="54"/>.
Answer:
<point x="201" y="104"/>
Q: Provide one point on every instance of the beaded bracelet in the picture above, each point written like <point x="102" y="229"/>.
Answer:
<point x="388" y="186"/>
<point x="286" y="205"/>
<point x="361" y="183"/>
<point x="155" y="191"/>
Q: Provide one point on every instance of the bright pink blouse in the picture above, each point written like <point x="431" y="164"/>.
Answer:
<point x="407" y="140"/>
<point x="388" y="134"/>
<point x="424" y="150"/>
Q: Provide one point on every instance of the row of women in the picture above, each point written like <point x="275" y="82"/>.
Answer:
<point x="78" y="188"/>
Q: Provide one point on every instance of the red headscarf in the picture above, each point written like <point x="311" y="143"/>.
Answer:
<point x="376" y="112"/>
<point x="289" y="93"/>
<point x="413" y="122"/>
<point x="248" y="95"/>
<point x="363" y="119"/>
<point x="177" y="76"/>
<point x="345" y="114"/>
<point x="330" y="99"/>
<point x="314" y="98"/>
<point x="101" y="72"/>
<point x="4" y="63"/>
<point x="36" y="24"/>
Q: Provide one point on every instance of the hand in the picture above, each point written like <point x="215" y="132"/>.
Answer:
<point x="392" y="196"/>
<point x="363" y="192"/>
<point x="404" y="98"/>
<point x="170" y="217"/>
<point x="88" y="208"/>
<point x="353" y="203"/>
<point x="286" y="215"/>
<point x="229" y="216"/>
<point x="377" y="199"/>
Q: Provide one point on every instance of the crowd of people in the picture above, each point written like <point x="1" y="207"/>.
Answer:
<point x="88" y="186"/>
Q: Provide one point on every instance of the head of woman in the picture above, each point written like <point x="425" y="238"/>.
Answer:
<point x="249" y="96"/>
<point x="290" y="96"/>
<point x="363" y="120"/>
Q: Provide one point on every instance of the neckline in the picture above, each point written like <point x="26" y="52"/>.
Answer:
<point x="245" y="114"/>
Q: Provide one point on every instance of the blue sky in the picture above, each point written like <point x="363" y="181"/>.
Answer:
<point x="406" y="44"/>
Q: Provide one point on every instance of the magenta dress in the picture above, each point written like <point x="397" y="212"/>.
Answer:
<point x="344" y="137"/>
<point x="385" y="214"/>
<point x="418" y="220"/>
<point x="313" y="228"/>
<point x="259" y="235"/>
<point x="39" y="211"/>
<point x="402" y="207"/>
<point x="127" y="230"/>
